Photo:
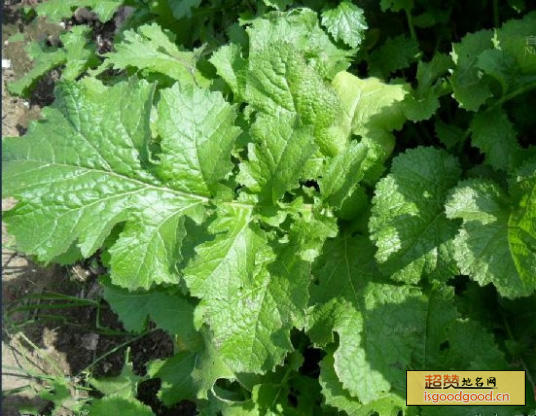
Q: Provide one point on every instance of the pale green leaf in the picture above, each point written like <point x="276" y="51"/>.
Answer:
<point x="278" y="4"/>
<point x="408" y="223"/>
<point x="46" y="58"/>
<point x="370" y="109"/>
<point x="198" y="135"/>
<point x="342" y="174"/>
<point x="152" y="50"/>
<point x="276" y="158"/>
<point x="78" y="54"/>
<point x="113" y="405"/>
<point x="58" y="392"/>
<point x="249" y="298"/>
<point x="346" y="22"/>
<point x="280" y="83"/>
<point x="336" y="396"/>
<point x="369" y="105"/>
<point x="232" y="67"/>
<point x="84" y="170"/>
<point x="494" y="135"/>
<point x="300" y="29"/>
<point x="55" y="10"/>
<point x="209" y="367"/>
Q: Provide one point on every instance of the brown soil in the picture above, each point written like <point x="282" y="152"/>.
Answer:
<point x="38" y="340"/>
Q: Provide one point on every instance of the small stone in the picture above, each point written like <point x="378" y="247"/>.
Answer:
<point x="90" y="341"/>
<point x="106" y="367"/>
<point x="53" y="40"/>
<point x="6" y="63"/>
<point x="85" y="15"/>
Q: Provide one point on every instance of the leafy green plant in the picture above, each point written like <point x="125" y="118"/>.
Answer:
<point x="306" y="233"/>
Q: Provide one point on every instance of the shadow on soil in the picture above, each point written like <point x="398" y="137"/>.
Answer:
<point x="73" y="337"/>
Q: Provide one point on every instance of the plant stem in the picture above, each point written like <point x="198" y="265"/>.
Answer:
<point x="506" y="98"/>
<point x="496" y="20"/>
<point x="117" y="348"/>
<point x="523" y="364"/>
<point x="412" y="32"/>
<point x="529" y="86"/>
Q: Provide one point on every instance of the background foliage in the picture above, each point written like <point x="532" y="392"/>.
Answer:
<point x="310" y="198"/>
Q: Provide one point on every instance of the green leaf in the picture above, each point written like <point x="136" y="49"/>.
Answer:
<point x="183" y="8"/>
<point x="58" y="392"/>
<point x="466" y="79"/>
<point x="363" y="313"/>
<point x="189" y="375"/>
<point x="369" y="105"/>
<point x="79" y="51"/>
<point x="55" y="10"/>
<point x="249" y="298"/>
<point x="78" y="54"/>
<point x="175" y="373"/>
<point x="384" y="329"/>
<point x="342" y="174"/>
<point x="496" y="243"/>
<point x="232" y="67"/>
<point x="346" y="23"/>
<point x="113" y="405"/>
<point x="278" y="4"/>
<point x="494" y="135"/>
<point x="84" y="170"/>
<point x="396" y="53"/>
<point x="171" y="312"/>
<point x="449" y="134"/>
<point x="513" y="39"/>
<point x="124" y="386"/>
<point x="500" y="66"/>
<point x="336" y="396"/>
<point x="46" y="59"/>
<point x="277" y="157"/>
<point x="300" y="29"/>
<point x="408" y="223"/>
<point x="152" y="50"/>
<point x="198" y="135"/>
<point x="370" y="109"/>
<point x="502" y="56"/>
<point x="424" y="102"/>
<point x="280" y="83"/>
<point x="396" y="5"/>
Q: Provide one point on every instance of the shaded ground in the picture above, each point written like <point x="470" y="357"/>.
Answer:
<point x="41" y="342"/>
